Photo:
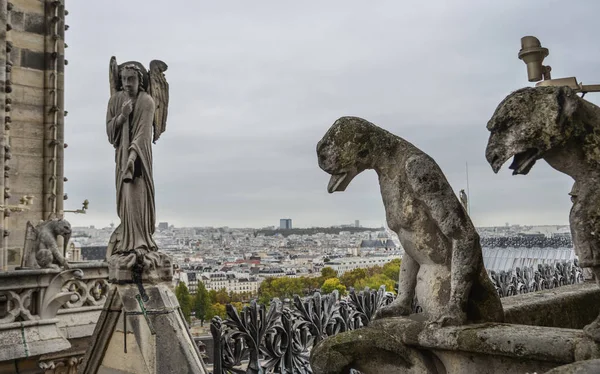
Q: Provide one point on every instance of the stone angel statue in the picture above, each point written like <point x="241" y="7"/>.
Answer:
<point x="136" y="117"/>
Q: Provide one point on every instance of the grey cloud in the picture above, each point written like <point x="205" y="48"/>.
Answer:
<point x="254" y="86"/>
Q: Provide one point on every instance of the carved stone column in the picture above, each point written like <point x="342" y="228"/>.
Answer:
<point x="4" y="67"/>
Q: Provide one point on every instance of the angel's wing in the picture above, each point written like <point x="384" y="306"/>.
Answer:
<point x="159" y="90"/>
<point x="113" y="76"/>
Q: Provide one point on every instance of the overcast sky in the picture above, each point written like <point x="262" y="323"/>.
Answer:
<point x="254" y="86"/>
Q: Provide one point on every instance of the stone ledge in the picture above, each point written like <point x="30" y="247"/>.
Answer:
<point x="542" y="332"/>
<point x="570" y="307"/>
<point x="31" y="339"/>
<point x="78" y="322"/>
<point x="402" y="345"/>
<point x="39" y="278"/>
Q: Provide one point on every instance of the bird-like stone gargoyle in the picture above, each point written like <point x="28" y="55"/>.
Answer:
<point x="554" y="124"/>
<point x="443" y="262"/>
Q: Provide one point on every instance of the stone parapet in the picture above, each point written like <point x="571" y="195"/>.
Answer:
<point x="542" y="331"/>
<point x="402" y="345"/>
<point x="570" y="307"/>
<point x="43" y="311"/>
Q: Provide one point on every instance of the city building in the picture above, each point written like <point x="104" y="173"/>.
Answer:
<point x="74" y="252"/>
<point x="357" y="223"/>
<point x="163" y="225"/>
<point x="231" y="282"/>
<point x="285" y="223"/>
<point x="344" y="264"/>
<point x="192" y="282"/>
<point x="384" y="244"/>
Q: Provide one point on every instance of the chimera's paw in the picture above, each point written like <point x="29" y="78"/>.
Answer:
<point x="593" y="330"/>
<point x="395" y="309"/>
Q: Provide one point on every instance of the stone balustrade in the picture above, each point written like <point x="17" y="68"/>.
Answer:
<point x="45" y="314"/>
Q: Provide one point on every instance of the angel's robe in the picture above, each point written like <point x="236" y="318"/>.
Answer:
<point x="135" y="199"/>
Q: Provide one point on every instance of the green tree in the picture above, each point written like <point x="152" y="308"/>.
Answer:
<point x="310" y="284"/>
<point x="327" y="273"/>
<point x="185" y="301"/>
<point x="351" y="278"/>
<point x="237" y="296"/>
<point x="237" y="305"/>
<point x="222" y="297"/>
<point x="281" y="288"/>
<point x="374" y="270"/>
<point x="201" y="302"/>
<point x="212" y="295"/>
<point x="375" y="281"/>
<point x="333" y="284"/>
<point x="392" y="269"/>
<point x="216" y="309"/>
<point x="266" y="291"/>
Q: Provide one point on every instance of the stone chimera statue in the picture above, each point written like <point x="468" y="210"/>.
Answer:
<point x="41" y="247"/>
<point x="443" y="262"/>
<point x="554" y="124"/>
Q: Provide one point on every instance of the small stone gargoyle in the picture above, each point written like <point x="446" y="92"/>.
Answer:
<point x="554" y="124"/>
<point x="443" y="262"/>
<point x="41" y="245"/>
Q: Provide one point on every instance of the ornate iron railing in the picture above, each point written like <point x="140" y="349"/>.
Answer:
<point x="279" y="339"/>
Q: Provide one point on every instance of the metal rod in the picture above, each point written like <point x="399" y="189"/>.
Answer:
<point x="590" y="88"/>
<point x="125" y="332"/>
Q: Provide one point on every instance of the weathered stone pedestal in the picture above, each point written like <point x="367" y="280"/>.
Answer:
<point x="134" y="336"/>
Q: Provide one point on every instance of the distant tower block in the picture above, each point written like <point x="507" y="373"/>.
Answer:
<point x="163" y="226"/>
<point x="357" y="223"/>
<point x="285" y="223"/>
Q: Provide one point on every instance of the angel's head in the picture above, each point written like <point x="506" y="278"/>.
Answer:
<point x="132" y="79"/>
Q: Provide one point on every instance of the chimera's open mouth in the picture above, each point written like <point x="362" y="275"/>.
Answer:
<point x="524" y="161"/>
